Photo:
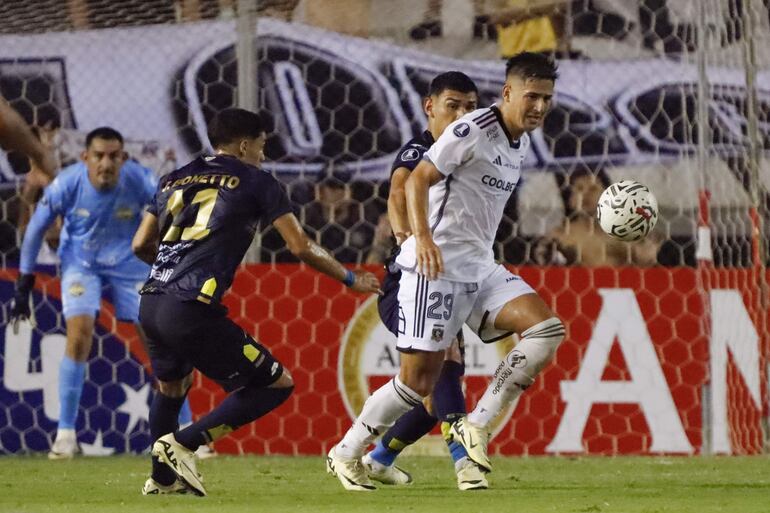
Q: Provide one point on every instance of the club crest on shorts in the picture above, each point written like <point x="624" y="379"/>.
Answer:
<point x="517" y="359"/>
<point x="437" y="335"/>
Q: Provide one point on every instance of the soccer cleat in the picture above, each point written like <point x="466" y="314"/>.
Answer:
<point x="474" y="439"/>
<point x="152" y="487"/>
<point x="471" y="477"/>
<point x="65" y="447"/>
<point x="385" y="474"/>
<point x="205" y="452"/>
<point x="181" y="460"/>
<point x="350" y="472"/>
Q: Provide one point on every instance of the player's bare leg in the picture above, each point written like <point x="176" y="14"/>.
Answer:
<point x="541" y="333"/>
<point x="72" y="370"/>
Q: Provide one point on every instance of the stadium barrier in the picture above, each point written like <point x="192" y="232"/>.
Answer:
<point x="644" y="349"/>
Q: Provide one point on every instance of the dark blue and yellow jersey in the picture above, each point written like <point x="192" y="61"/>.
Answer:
<point x="208" y="212"/>
<point x="411" y="153"/>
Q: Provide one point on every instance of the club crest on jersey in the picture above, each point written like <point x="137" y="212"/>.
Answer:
<point x="76" y="289"/>
<point x="410" y="154"/>
<point x="124" y="213"/>
<point x="437" y="334"/>
<point x="461" y="130"/>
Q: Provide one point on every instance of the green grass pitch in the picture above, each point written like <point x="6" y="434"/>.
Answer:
<point x="300" y="484"/>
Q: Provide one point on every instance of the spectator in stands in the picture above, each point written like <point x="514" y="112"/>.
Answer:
<point x="35" y="181"/>
<point x="336" y="221"/>
<point x="580" y="240"/>
<point x="431" y="25"/>
<point x="16" y="135"/>
<point x="382" y="244"/>
<point x="26" y="154"/>
<point x="532" y="26"/>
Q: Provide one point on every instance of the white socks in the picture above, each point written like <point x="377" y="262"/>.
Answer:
<point x="380" y="411"/>
<point x="518" y="369"/>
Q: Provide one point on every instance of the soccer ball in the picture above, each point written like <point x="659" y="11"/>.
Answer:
<point x="627" y="210"/>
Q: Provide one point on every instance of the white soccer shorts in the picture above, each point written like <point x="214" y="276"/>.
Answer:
<point x="433" y="311"/>
<point x="497" y="289"/>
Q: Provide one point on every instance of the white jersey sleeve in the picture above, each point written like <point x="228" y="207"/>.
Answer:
<point x="455" y="147"/>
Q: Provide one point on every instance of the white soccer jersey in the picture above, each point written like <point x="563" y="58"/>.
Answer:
<point x="482" y="166"/>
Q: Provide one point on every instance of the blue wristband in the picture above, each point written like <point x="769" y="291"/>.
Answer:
<point x="349" y="278"/>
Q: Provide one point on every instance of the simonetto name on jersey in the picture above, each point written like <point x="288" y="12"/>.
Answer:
<point x="208" y="212"/>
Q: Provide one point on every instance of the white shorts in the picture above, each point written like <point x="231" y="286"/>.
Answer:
<point x="434" y="311"/>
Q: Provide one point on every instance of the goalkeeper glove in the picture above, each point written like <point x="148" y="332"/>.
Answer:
<point x="21" y="307"/>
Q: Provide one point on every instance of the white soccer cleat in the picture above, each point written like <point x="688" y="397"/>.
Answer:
<point x="474" y="439"/>
<point x="181" y="460"/>
<point x="205" y="452"/>
<point x="471" y="477"/>
<point x="152" y="487"/>
<point x="385" y="474"/>
<point x="350" y="472"/>
<point x="66" y="445"/>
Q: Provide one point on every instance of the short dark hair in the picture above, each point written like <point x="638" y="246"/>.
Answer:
<point x="232" y="124"/>
<point x="531" y="65"/>
<point x="454" y="80"/>
<point x="103" y="132"/>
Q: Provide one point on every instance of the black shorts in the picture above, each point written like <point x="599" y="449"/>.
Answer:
<point x="185" y="334"/>
<point x="387" y="303"/>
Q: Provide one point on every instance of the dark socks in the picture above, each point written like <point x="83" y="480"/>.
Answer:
<point x="448" y="398"/>
<point x="409" y="428"/>
<point x="164" y="415"/>
<point x="449" y="403"/>
<point x="239" y="408"/>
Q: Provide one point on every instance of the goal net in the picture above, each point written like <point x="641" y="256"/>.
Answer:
<point x="667" y="345"/>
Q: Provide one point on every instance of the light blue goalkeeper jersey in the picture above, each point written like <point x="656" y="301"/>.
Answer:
<point x="98" y="225"/>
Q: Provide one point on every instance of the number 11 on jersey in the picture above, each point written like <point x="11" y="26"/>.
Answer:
<point x="206" y="199"/>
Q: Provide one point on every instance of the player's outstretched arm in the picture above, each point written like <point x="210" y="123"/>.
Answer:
<point x="21" y="308"/>
<point x="302" y="247"/>
<point x="146" y="239"/>
<point x="429" y="260"/>
<point x="16" y="135"/>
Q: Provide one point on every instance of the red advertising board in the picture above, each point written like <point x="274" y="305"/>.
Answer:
<point x="628" y="379"/>
<point x="649" y="354"/>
